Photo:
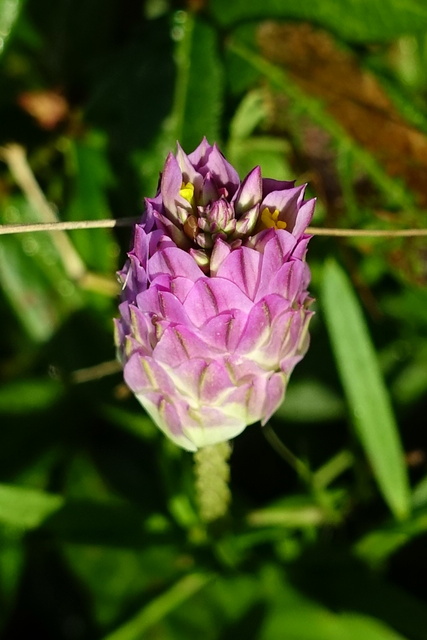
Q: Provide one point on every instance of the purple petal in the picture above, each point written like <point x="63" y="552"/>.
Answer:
<point x="224" y="330"/>
<point x="276" y="252"/>
<point x="133" y="278"/>
<point x="207" y="158"/>
<point x="269" y="185"/>
<point x="305" y="215"/>
<point x="179" y="344"/>
<point x="220" y="251"/>
<point x="242" y="267"/>
<point x="211" y="296"/>
<point x="200" y="155"/>
<point x="301" y="247"/>
<point x="249" y="193"/>
<point x="257" y="331"/>
<point x="181" y="287"/>
<point x="260" y="239"/>
<point x="287" y="202"/>
<point x="162" y="304"/>
<point x="215" y="425"/>
<point x="145" y="374"/>
<point x="189" y="173"/>
<point x="170" y="184"/>
<point x="209" y="381"/>
<point x="209" y="192"/>
<point x="273" y="398"/>
<point x="142" y="330"/>
<point x="247" y="223"/>
<point x="290" y="280"/>
<point x="175" y="262"/>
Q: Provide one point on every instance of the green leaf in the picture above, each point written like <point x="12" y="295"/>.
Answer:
<point x="114" y="576"/>
<point x="295" y="512"/>
<point x="9" y="13"/>
<point x="25" y="286"/>
<point x="364" y="387"/>
<point x="108" y="522"/>
<point x="91" y="178"/>
<point x="419" y="496"/>
<point x="160" y="607"/>
<point x="33" y="276"/>
<point x="310" y="621"/>
<point x="27" y="508"/>
<point x="11" y="565"/>
<point x="376" y="546"/>
<point x="294" y="616"/>
<point x="355" y="20"/>
<point x="311" y="401"/>
<point x="199" y="86"/>
<point x="26" y="396"/>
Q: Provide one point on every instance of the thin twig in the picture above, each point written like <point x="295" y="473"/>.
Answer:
<point x="15" y="157"/>
<point x="67" y="226"/>
<point x="96" y="372"/>
<point x="366" y="233"/>
<point x="128" y="222"/>
<point x="298" y="465"/>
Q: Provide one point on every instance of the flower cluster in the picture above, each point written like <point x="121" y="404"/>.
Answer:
<point x="214" y="309"/>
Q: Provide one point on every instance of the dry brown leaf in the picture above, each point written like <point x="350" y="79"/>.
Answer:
<point x="352" y="95"/>
<point x="49" y="108"/>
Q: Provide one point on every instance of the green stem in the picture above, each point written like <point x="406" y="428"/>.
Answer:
<point x="333" y="468"/>
<point x="300" y="467"/>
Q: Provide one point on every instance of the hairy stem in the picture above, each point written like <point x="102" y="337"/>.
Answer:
<point x="212" y="477"/>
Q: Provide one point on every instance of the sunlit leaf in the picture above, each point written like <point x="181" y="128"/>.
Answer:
<point x="26" y="290"/>
<point x="25" y="507"/>
<point x="199" y="88"/>
<point x="365" y="389"/>
<point x="9" y="13"/>
<point x="91" y="178"/>
<point x="294" y="512"/>
<point x="33" y="276"/>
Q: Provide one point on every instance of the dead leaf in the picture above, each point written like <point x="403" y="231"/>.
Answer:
<point x="352" y="95"/>
<point x="49" y="108"/>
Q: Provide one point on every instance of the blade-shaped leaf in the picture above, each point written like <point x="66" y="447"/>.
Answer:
<point x="9" y="13"/>
<point x="160" y="607"/>
<point x="356" y="20"/>
<point x="199" y="86"/>
<point x="32" y="275"/>
<point x="90" y="181"/>
<point x="365" y="389"/>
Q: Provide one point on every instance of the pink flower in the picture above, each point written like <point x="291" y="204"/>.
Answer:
<point x="214" y="310"/>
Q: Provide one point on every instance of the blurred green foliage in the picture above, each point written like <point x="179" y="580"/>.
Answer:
<point x="99" y="533"/>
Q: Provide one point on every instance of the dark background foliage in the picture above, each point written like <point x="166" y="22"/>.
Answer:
<point x="99" y="531"/>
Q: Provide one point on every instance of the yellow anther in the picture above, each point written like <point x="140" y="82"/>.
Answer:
<point x="187" y="192"/>
<point x="270" y="219"/>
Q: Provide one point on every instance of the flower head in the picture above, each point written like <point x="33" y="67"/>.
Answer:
<point x="214" y="309"/>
